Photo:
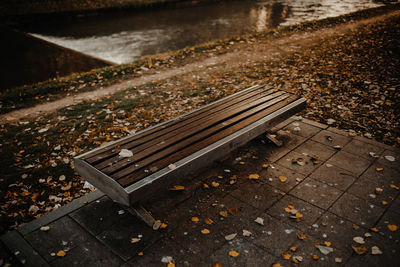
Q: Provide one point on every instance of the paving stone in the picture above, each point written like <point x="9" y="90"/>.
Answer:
<point x="337" y="230"/>
<point x="388" y="175"/>
<point x="316" y="193"/>
<point x="310" y="212"/>
<point x="362" y="149"/>
<point x="249" y="255"/>
<point x="98" y="215"/>
<point x="352" y="163"/>
<point x="316" y="150"/>
<point x="306" y="130"/>
<point x="271" y="175"/>
<point x="357" y="210"/>
<point x="118" y="237"/>
<point x="333" y="176"/>
<point x="64" y="234"/>
<point x="261" y="196"/>
<point x="366" y="189"/>
<point x="314" y="123"/>
<point x="90" y="253"/>
<point x="395" y="207"/>
<point x="307" y="248"/>
<point x="331" y="139"/>
<point x="306" y="169"/>
<point x="389" y="256"/>
<point x="390" y="218"/>
<point x="164" y="250"/>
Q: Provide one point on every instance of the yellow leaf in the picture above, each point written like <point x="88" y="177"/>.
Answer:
<point x="394" y="186"/>
<point x="286" y="256"/>
<point x="315" y="257"/>
<point x="163" y="226"/>
<point x="299" y="215"/>
<point x="379" y="169"/>
<point x="223" y="213"/>
<point x="242" y="163"/>
<point x="233" y="253"/>
<point x="384" y="202"/>
<point x="374" y="229"/>
<point x="177" y="188"/>
<point x="205" y="231"/>
<point x="293" y="248"/>
<point x="61" y="253"/>
<point x="215" y="184"/>
<point x="208" y="221"/>
<point x="392" y="227"/>
<point x="254" y="176"/>
<point x="327" y="243"/>
<point x="140" y="253"/>
<point x="282" y="179"/>
<point x="265" y="166"/>
<point x="171" y="265"/>
<point x="205" y="186"/>
<point x="301" y="237"/>
<point x="360" y="250"/>
<point x="195" y="219"/>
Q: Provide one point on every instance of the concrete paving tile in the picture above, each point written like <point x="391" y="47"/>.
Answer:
<point x="164" y="250"/>
<point x="271" y="175"/>
<point x="390" y="218"/>
<point x="249" y="255"/>
<point x="333" y="176"/>
<point x="392" y="164"/>
<point x="357" y="210"/>
<point x="331" y="139"/>
<point x="337" y="230"/>
<point x="374" y="143"/>
<point x="389" y="256"/>
<point x="90" y="253"/>
<point x="118" y="237"/>
<point x="310" y="212"/>
<point x="307" y="248"/>
<point x="98" y="215"/>
<point x="258" y="195"/>
<point x="64" y="234"/>
<point x="309" y="166"/>
<point x="366" y="189"/>
<point x="316" y="193"/>
<point x="362" y="149"/>
<point x="302" y="129"/>
<point x="352" y="163"/>
<point x="314" y="123"/>
<point x="316" y="150"/>
<point x="395" y="207"/>
<point x="387" y="174"/>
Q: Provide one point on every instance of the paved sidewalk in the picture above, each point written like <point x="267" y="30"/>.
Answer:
<point x="314" y="195"/>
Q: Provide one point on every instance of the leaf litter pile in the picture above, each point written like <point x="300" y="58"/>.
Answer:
<point x="350" y="82"/>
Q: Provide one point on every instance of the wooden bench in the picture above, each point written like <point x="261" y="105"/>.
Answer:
<point x="184" y="144"/>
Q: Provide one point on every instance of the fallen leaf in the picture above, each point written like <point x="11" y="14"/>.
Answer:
<point x="265" y="166"/>
<point x="171" y="167"/>
<point x="277" y="265"/>
<point x="367" y="234"/>
<point x="315" y="257"/>
<point x="246" y="233"/>
<point x="217" y="264"/>
<point x="392" y="227"/>
<point x="163" y="226"/>
<point x="61" y="253"/>
<point x="208" y="221"/>
<point x="120" y="212"/>
<point x="327" y="243"/>
<point x="259" y="221"/>
<point x="170" y="264"/>
<point x="374" y="229"/>
<point x="378" y="191"/>
<point x="254" y="176"/>
<point x="394" y="186"/>
<point x="301" y="237"/>
<point x="177" y="188"/>
<point x="215" y="184"/>
<point x="125" y="153"/>
<point x="233" y="253"/>
<point x="67" y="187"/>
<point x="384" y="202"/>
<point x="45" y="228"/>
<point x="297" y="259"/>
<point x="299" y="215"/>
<point x="325" y="250"/>
<point x="223" y="213"/>
<point x="390" y="158"/>
<point x="140" y="253"/>
<point x="230" y="237"/>
<point x="359" y="240"/>
<point x="282" y="179"/>
<point x="135" y="240"/>
<point x="360" y="250"/>
<point x="157" y="225"/>
<point x="205" y="231"/>
<point x="376" y="251"/>
<point x="195" y="219"/>
<point x="286" y="256"/>
<point x="338" y="260"/>
<point x="205" y="186"/>
<point x="293" y="248"/>
<point x="379" y="169"/>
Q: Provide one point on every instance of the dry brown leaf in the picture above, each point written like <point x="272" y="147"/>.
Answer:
<point x="301" y="237"/>
<point x="254" y="176"/>
<point x="360" y="250"/>
<point x="223" y="213"/>
<point x="286" y="256"/>
<point x="378" y="191"/>
<point x="208" y="221"/>
<point x="205" y="231"/>
<point x="282" y="179"/>
<point x="233" y="253"/>
<point x="294" y="248"/>
<point x="135" y="240"/>
<point x="394" y="186"/>
<point x="315" y="257"/>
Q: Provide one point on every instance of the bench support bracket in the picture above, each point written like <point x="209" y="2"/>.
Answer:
<point x="140" y="212"/>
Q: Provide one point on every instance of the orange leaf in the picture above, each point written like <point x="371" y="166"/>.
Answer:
<point x="233" y="253"/>
<point x="392" y="227"/>
<point x="61" y="253"/>
<point x="254" y="176"/>
<point x="286" y="256"/>
<point x="205" y="231"/>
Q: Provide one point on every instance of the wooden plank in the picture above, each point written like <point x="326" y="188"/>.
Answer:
<point x="157" y="144"/>
<point x="196" y="132"/>
<point x="128" y="176"/>
<point x="233" y="98"/>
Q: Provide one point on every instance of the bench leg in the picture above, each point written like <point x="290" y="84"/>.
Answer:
<point x="140" y="212"/>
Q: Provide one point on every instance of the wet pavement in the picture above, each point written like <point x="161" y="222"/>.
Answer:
<point x="324" y="198"/>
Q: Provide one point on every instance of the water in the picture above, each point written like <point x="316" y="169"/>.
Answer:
<point x="126" y="37"/>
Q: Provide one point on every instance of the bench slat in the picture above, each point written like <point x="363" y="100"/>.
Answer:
<point x="130" y="175"/>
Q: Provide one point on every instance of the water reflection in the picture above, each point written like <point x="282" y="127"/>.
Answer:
<point x="125" y="37"/>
